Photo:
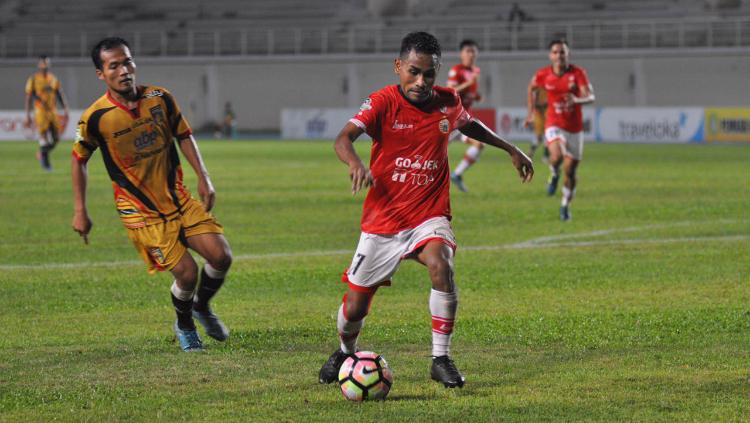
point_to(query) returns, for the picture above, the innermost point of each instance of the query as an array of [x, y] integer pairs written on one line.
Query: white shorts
[[378, 256], [570, 142]]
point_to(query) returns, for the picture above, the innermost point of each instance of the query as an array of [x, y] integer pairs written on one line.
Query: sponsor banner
[[13, 126], [727, 124], [510, 124], [314, 123], [649, 124], [326, 123]]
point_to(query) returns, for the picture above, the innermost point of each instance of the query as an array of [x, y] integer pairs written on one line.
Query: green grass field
[[637, 310]]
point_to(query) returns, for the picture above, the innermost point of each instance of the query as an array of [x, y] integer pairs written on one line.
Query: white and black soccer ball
[[365, 376]]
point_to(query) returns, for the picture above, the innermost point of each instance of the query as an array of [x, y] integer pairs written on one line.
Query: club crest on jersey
[[157, 114], [444, 126]]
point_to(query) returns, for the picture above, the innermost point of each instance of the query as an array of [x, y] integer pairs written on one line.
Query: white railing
[[599, 35]]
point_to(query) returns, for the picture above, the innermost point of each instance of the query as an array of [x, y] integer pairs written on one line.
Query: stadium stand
[[263, 27]]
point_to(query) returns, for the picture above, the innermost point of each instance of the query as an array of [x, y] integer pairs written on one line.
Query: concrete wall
[[260, 87]]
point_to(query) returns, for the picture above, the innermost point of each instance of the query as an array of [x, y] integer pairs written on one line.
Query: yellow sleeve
[[30, 85], [177, 122], [84, 145]]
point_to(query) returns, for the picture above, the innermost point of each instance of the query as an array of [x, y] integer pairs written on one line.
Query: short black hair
[[43, 57], [468, 43], [420, 42], [557, 41], [106, 44]]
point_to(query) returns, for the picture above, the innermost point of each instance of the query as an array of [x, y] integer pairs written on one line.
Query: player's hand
[[360, 176], [570, 100], [523, 164], [528, 121], [207, 193], [82, 224]]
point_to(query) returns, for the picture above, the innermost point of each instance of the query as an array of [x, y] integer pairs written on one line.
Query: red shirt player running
[[464, 78], [568, 88], [407, 210]]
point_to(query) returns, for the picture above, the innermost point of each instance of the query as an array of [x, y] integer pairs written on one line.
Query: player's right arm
[[531, 93], [358, 173], [82, 150], [81, 220], [29, 98]]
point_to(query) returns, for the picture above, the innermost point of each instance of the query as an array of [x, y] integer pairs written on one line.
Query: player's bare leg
[[215, 249], [351, 317], [570, 165], [555, 160], [185, 279], [470, 157], [438, 257]]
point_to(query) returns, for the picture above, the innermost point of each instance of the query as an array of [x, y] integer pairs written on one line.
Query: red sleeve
[[454, 76], [460, 117], [370, 114], [583, 78], [539, 78]]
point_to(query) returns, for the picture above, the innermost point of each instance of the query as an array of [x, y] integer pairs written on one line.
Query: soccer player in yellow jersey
[[138, 129], [43, 90], [540, 108]]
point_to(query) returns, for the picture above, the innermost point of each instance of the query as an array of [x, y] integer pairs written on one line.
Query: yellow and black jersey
[[541, 99], [43, 88], [140, 154]]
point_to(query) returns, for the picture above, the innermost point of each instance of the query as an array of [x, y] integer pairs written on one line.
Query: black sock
[[45, 156], [208, 288], [184, 311]]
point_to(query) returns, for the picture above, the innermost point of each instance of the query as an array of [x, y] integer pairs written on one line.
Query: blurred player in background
[[44, 90], [464, 78], [135, 127], [568, 88], [406, 214], [540, 108]]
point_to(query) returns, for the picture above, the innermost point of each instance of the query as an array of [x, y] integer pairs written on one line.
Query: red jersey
[[409, 159], [460, 74], [569, 118]]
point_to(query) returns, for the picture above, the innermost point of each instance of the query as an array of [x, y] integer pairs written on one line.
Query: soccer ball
[[365, 376]]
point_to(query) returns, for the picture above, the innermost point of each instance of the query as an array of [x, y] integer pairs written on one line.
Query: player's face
[[469, 55], [118, 70], [417, 73], [558, 55], [43, 65]]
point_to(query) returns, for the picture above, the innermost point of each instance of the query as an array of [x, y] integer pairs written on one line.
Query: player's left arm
[[585, 93], [206, 190], [478, 131], [63, 102]]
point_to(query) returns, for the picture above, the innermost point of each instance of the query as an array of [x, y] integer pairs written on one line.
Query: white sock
[[470, 157], [214, 273], [180, 293], [443, 307], [348, 332], [567, 195]]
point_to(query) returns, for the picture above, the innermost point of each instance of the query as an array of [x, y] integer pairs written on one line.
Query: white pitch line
[[555, 241]]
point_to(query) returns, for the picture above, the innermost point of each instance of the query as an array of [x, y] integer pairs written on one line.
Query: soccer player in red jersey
[[464, 78], [568, 88], [407, 210]]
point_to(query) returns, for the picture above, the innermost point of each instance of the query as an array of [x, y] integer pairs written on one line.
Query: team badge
[[157, 113], [444, 126]]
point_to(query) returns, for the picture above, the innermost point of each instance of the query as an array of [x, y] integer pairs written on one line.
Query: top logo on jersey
[[154, 93]]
